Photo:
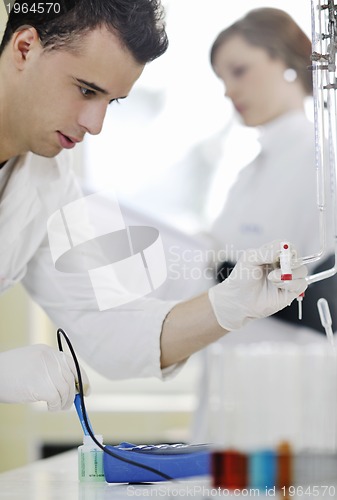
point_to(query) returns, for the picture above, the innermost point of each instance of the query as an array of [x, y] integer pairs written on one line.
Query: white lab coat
[[118, 343], [274, 197]]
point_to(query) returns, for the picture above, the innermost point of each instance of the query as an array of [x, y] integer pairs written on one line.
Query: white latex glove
[[39, 373], [253, 290]]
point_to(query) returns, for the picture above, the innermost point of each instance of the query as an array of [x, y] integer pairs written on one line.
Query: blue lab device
[[175, 461], [128, 462]]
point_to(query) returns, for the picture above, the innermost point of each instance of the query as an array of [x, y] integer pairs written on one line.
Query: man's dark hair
[[139, 24]]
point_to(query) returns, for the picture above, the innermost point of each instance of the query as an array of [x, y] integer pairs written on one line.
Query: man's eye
[[87, 92], [114, 100]]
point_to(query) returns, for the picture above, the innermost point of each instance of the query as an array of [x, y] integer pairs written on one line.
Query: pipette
[[325, 316]]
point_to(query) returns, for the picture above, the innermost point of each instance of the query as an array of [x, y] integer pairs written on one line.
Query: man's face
[[64, 95]]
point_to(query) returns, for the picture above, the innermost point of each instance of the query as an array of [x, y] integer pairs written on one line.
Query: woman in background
[[262, 60]]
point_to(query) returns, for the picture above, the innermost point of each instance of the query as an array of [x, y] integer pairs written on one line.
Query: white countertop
[[56, 479]]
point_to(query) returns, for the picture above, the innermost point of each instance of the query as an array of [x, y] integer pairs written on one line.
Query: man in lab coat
[[59, 70]]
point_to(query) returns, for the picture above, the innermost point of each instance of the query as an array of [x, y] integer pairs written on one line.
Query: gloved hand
[[253, 289], [39, 373]]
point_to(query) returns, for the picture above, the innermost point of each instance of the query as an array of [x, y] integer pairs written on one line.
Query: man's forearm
[[188, 327], [250, 292]]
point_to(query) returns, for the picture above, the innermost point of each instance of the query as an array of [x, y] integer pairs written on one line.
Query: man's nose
[[92, 117]]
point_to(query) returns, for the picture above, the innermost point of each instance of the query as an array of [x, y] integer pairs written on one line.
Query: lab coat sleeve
[[121, 342]]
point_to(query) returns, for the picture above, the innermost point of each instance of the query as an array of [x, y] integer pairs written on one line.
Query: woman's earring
[[290, 75]]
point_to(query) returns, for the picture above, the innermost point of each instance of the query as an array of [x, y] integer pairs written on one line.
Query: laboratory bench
[[55, 478]]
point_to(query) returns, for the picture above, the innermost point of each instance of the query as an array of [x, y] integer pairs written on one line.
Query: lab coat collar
[[284, 126], [23, 196]]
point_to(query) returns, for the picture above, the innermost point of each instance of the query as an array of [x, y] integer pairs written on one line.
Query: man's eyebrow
[[93, 86]]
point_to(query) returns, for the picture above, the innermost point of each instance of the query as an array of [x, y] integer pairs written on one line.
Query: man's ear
[[23, 43]]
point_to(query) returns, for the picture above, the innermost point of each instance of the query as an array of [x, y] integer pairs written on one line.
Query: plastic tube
[[90, 460], [325, 316]]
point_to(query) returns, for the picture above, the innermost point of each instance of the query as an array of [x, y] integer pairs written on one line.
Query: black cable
[[60, 333]]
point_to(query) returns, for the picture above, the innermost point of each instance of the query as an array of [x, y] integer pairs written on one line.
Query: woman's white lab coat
[[274, 197], [118, 343]]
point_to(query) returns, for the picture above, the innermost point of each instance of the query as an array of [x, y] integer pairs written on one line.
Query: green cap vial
[[90, 460]]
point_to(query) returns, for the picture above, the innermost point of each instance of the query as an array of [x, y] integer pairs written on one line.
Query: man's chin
[[47, 153]]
